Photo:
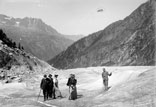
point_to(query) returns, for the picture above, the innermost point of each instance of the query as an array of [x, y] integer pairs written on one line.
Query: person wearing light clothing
[[56, 87], [105, 75]]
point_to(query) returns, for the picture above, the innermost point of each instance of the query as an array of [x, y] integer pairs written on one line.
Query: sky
[[72, 17]]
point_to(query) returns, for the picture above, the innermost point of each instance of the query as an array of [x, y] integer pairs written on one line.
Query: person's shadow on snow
[[79, 96], [108, 88]]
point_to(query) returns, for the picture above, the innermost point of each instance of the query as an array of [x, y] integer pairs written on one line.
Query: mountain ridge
[[125, 42], [27, 22], [35, 36]]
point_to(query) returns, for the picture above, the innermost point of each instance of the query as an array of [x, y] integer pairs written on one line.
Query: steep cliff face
[[126, 42], [35, 36]]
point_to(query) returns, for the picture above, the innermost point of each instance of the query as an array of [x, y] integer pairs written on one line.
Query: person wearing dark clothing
[[44, 87], [50, 87], [68, 83], [105, 75], [72, 87]]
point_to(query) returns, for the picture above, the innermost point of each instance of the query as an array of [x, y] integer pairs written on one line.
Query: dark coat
[[50, 82], [44, 84], [71, 82]]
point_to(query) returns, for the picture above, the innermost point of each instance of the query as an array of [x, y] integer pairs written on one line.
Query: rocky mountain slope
[[35, 36], [15, 62], [130, 41]]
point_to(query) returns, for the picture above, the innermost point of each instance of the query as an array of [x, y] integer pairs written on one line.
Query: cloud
[[37, 3], [23, 1], [40, 5]]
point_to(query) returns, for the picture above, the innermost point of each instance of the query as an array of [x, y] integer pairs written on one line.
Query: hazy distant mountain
[[126, 42], [74, 37], [35, 36]]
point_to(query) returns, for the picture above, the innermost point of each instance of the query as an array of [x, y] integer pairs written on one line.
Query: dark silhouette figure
[[51, 87], [44, 87]]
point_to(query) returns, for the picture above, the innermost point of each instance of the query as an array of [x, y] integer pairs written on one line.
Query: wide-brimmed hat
[[56, 75]]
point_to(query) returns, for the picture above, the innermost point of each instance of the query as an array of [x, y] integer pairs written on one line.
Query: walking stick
[[39, 95]]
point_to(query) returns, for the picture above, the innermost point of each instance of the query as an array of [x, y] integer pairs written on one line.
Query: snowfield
[[130, 86]]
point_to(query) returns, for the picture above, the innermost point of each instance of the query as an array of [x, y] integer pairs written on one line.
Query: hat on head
[[70, 75], [45, 75], [56, 75], [104, 69], [49, 75], [73, 75]]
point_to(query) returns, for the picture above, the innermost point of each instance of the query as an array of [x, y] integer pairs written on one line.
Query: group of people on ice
[[51, 90], [50, 86]]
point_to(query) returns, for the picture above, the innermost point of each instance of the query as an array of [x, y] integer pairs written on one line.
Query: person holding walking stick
[[44, 87], [39, 95]]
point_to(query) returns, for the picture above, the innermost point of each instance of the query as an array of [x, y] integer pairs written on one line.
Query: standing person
[[68, 83], [44, 87], [56, 87], [105, 75], [50, 86], [72, 87]]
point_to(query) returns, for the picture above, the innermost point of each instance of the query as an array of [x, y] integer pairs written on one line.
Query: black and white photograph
[[77, 53]]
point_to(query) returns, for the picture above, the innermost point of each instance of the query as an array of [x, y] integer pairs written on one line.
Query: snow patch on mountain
[[8, 18], [17, 23]]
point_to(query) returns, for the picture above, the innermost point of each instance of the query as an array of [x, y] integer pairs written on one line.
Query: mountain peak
[[35, 36], [126, 42], [27, 22]]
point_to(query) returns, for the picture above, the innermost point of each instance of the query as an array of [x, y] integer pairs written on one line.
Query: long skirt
[[72, 93], [57, 92]]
